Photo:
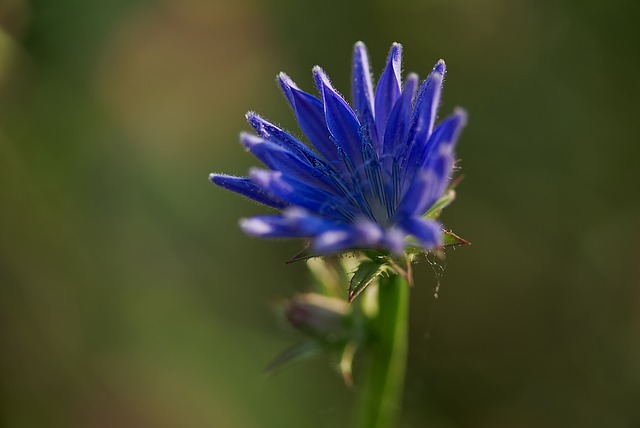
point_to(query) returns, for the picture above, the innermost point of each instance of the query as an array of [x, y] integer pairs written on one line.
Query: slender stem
[[382, 392]]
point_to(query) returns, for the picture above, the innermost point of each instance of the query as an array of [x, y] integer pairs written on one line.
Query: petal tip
[[251, 116], [320, 76], [395, 57], [330, 240], [249, 140], [413, 77], [461, 114], [284, 80], [256, 122], [396, 47], [294, 213], [361, 57], [254, 226], [222, 180]]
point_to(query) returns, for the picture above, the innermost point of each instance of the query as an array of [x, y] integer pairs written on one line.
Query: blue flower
[[376, 170]]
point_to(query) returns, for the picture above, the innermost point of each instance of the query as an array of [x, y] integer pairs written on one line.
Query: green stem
[[382, 392]]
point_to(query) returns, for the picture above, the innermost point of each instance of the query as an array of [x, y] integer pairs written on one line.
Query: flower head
[[377, 168]]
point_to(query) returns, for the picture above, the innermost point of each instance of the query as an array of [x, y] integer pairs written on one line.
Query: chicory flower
[[377, 168]]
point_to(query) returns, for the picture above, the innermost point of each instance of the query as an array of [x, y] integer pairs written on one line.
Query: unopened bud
[[318, 315]]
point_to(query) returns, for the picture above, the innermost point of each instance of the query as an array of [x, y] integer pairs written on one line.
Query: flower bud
[[318, 315]]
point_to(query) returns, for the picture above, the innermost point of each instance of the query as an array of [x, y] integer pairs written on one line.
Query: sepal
[[450, 239], [368, 271]]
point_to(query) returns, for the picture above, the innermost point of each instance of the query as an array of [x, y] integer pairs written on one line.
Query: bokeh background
[[129, 298]]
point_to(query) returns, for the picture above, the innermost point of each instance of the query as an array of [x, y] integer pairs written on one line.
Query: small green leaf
[[366, 273], [375, 255], [293, 354], [451, 239], [435, 211]]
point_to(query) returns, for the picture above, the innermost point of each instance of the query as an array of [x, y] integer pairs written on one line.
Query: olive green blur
[[129, 297]]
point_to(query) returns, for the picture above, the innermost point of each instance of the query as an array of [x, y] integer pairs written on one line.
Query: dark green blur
[[129, 297]]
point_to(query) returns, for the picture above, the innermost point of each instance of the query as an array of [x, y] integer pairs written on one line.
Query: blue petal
[[363, 234], [246, 187], [443, 139], [395, 240], [341, 120], [425, 111], [298, 193], [293, 223], [427, 232], [269, 226], [388, 89], [273, 133], [395, 138], [445, 136], [334, 241], [309, 112], [375, 202], [395, 134], [426, 188], [310, 224], [362, 90], [279, 158]]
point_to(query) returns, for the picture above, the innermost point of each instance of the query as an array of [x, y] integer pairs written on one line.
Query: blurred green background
[[129, 298]]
